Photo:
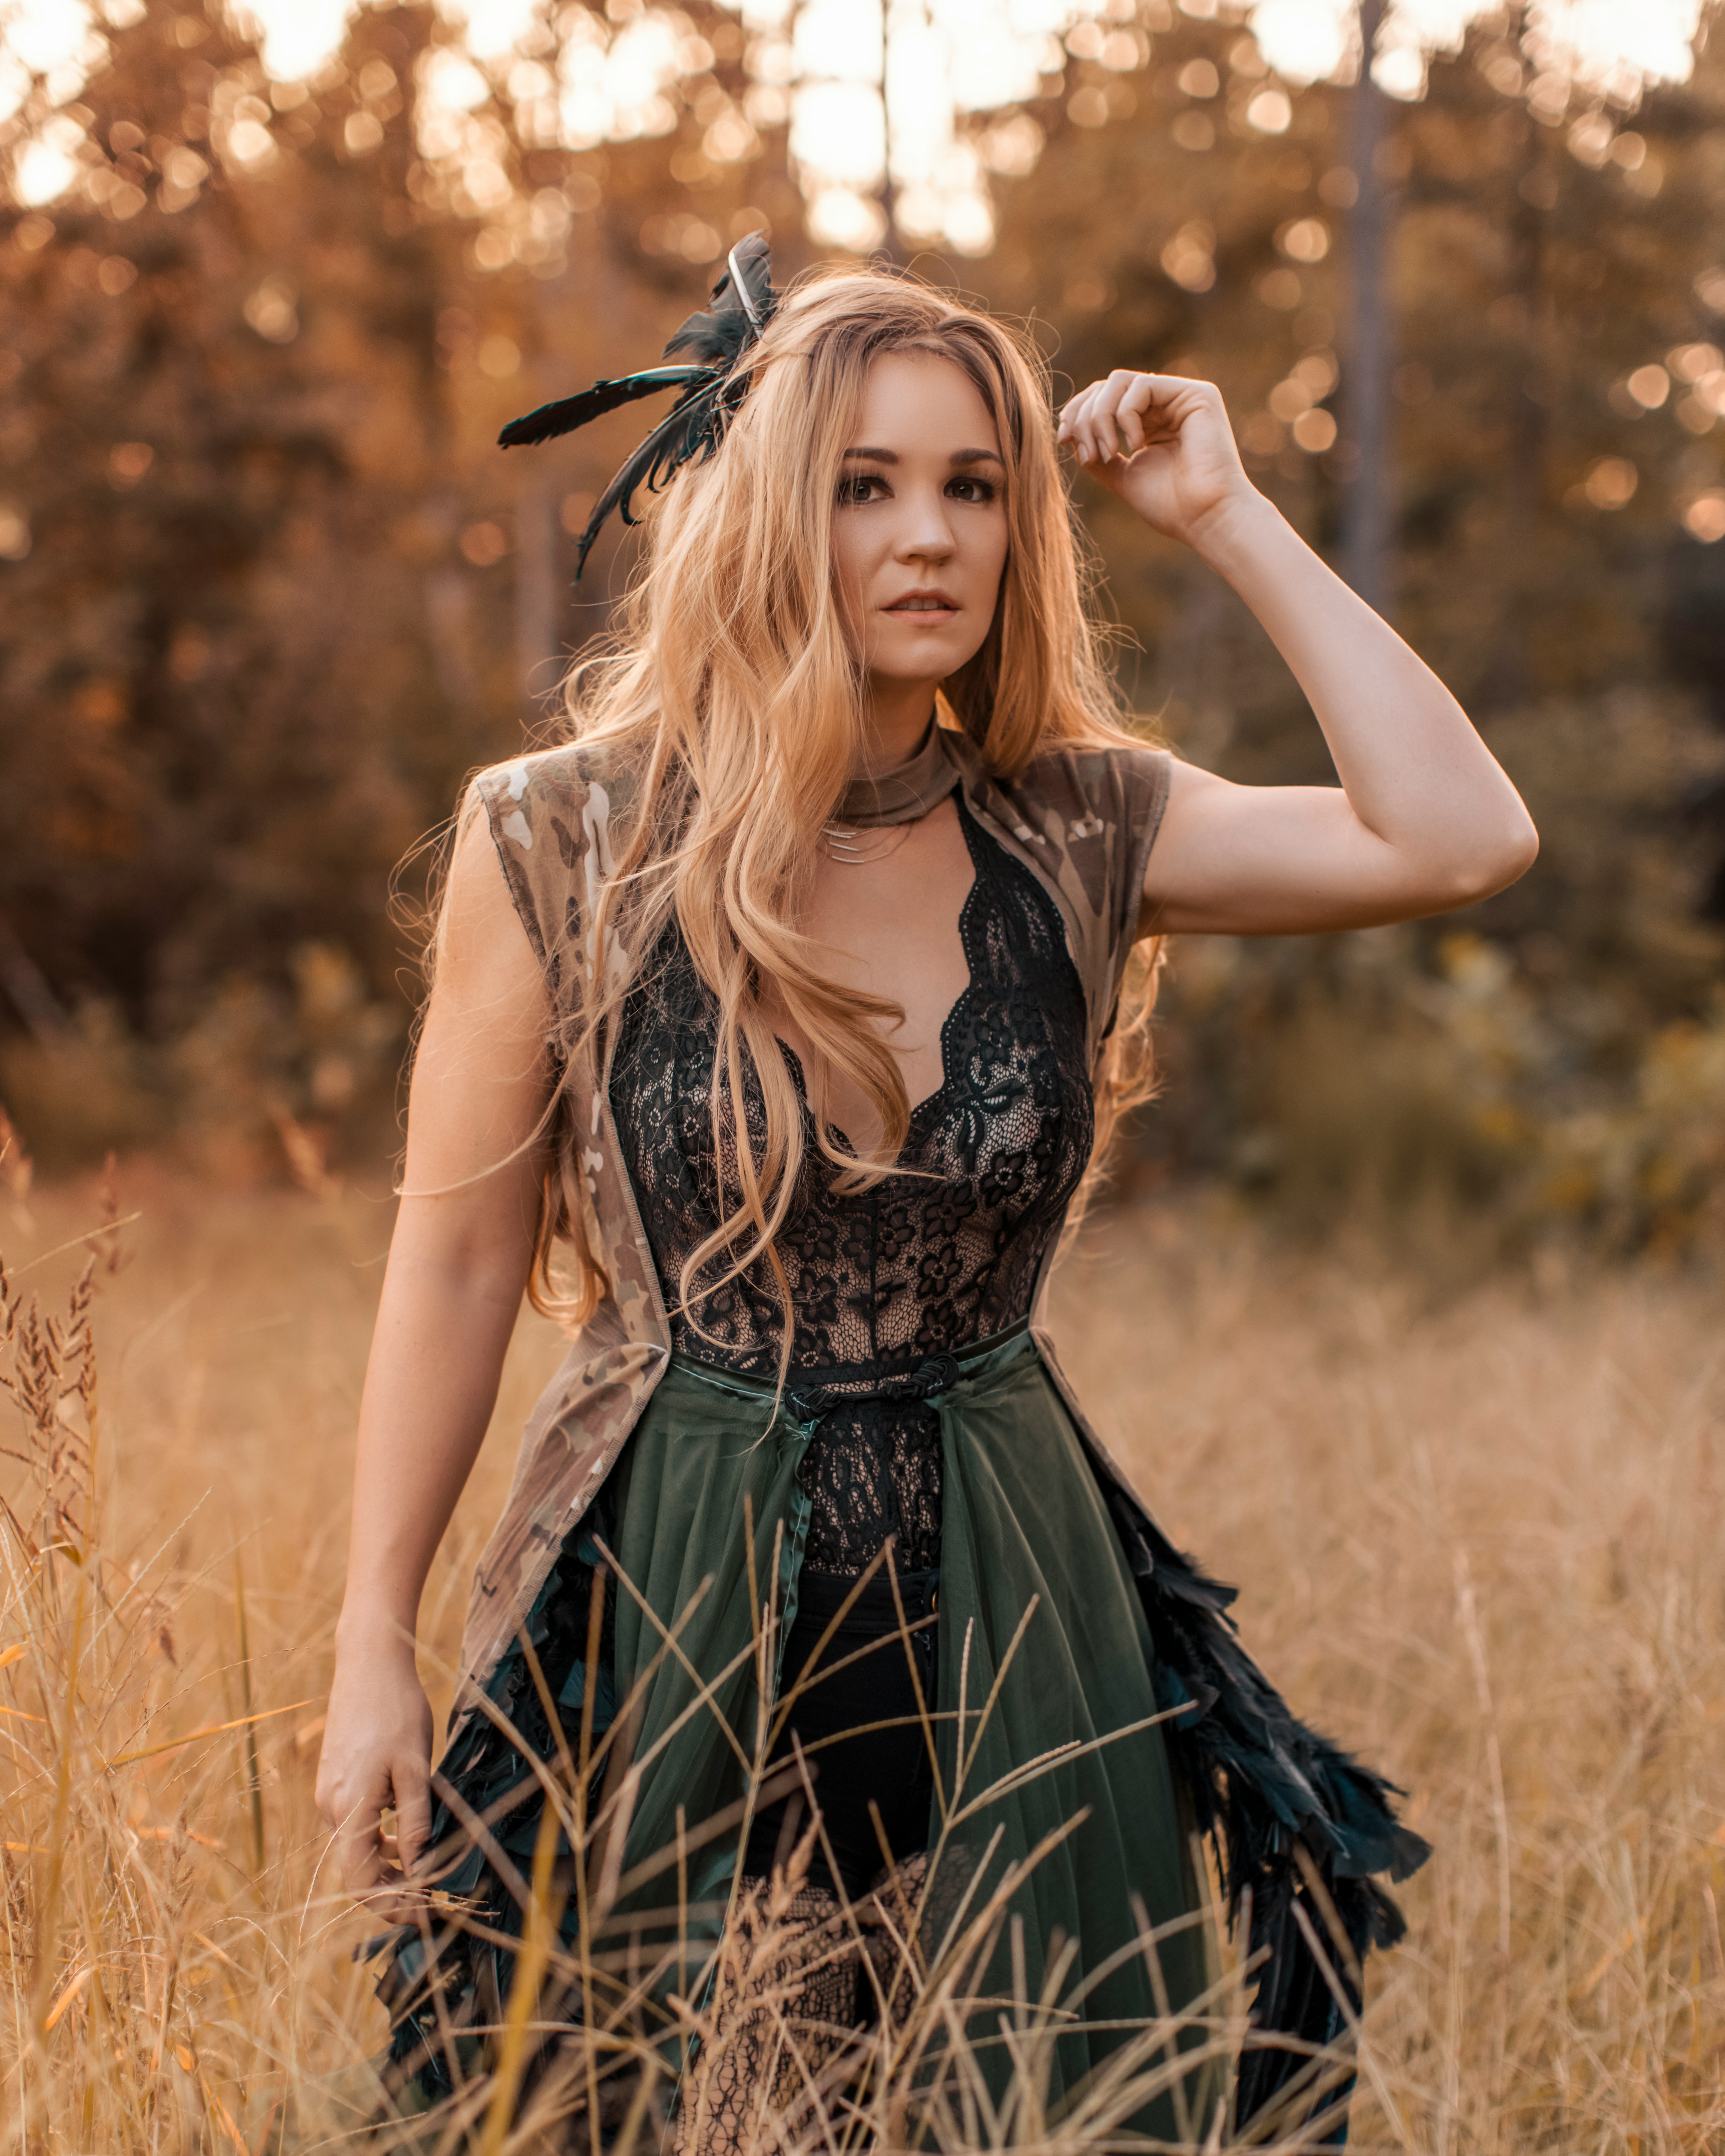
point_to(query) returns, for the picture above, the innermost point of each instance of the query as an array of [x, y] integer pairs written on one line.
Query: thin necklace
[[846, 845]]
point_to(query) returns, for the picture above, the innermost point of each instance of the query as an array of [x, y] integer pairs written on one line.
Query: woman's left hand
[[1180, 469]]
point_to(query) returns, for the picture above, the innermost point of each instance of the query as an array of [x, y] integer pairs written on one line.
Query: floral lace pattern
[[919, 1265]]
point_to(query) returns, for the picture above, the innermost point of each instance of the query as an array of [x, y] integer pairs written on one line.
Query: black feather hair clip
[[716, 338]]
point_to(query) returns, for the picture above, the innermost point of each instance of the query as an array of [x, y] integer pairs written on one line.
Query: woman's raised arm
[[1425, 818], [458, 1262]]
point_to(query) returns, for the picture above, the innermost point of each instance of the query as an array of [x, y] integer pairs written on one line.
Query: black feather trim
[[742, 303], [688, 429], [1266, 1788], [568, 413], [739, 310]]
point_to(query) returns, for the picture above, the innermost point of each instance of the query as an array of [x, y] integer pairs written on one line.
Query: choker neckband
[[901, 795]]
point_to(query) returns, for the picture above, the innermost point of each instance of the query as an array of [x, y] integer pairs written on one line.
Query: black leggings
[[891, 1767]]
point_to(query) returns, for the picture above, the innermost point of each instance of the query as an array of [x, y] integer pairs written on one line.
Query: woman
[[791, 999]]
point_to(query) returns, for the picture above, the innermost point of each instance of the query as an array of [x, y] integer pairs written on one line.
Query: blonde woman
[[789, 1003]]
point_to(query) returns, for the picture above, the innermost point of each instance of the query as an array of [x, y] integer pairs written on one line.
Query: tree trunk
[[1366, 505], [1506, 681], [538, 645]]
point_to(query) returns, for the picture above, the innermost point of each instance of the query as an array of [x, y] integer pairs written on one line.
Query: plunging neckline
[[943, 1244], [955, 1012]]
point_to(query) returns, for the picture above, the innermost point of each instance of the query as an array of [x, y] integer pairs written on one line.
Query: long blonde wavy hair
[[732, 697]]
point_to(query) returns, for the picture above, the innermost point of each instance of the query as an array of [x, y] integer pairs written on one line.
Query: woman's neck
[[895, 724]]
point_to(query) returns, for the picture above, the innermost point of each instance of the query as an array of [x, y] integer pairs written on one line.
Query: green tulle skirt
[[646, 1684], [1058, 1843]]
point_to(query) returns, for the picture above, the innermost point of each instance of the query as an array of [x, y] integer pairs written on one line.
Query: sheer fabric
[[920, 1265], [1057, 1797]]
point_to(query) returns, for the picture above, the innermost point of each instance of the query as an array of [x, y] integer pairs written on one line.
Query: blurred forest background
[[268, 592]]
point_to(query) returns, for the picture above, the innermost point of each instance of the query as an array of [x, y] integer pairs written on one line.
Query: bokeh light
[[876, 93], [297, 39]]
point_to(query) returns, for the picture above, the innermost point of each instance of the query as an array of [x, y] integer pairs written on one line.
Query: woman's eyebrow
[[959, 456]]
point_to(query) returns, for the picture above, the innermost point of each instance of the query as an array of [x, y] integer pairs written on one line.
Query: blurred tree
[[1543, 281], [267, 590], [1366, 548], [270, 589], [1556, 519]]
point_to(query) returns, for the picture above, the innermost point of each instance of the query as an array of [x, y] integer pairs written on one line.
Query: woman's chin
[[920, 655]]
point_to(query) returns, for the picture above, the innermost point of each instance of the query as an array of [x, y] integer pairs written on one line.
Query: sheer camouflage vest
[[1082, 820]]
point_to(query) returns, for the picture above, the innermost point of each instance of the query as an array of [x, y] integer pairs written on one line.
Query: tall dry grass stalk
[[1478, 1538]]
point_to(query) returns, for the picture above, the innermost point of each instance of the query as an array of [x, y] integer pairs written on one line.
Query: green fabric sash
[[1044, 1871]]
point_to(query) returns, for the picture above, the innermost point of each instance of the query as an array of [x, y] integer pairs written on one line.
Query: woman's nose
[[927, 532]]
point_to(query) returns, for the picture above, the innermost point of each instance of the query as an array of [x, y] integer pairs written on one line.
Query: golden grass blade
[[254, 1782], [67, 1994], [671, 1643], [985, 1713], [224, 2116], [1032, 1769], [75, 1242], [1581, 1480], [523, 1992], [211, 1729], [47, 1940], [583, 1769], [924, 1713]]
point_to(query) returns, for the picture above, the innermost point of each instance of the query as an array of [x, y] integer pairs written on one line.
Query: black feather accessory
[[714, 340]]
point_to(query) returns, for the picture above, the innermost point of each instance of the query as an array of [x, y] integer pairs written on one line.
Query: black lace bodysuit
[[917, 1266]]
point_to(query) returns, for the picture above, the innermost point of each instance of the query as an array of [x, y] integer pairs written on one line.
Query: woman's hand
[[376, 1754], [1180, 469]]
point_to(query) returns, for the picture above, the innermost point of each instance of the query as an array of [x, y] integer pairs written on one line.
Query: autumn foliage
[[267, 590]]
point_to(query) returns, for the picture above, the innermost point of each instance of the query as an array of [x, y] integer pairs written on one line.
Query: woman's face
[[919, 530]]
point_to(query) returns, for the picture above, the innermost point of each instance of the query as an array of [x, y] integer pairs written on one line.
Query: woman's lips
[[929, 605]]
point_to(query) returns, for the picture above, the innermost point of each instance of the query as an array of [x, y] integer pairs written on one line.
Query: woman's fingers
[[1087, 440], [412, 1810], [1116, 416], [364, 1849], [1123, 409], [359, 1852], [1092, 444], [1104, 411], [375, 1867], [1161, 443], [1072, 421], [1139, 400], [1076, 421]]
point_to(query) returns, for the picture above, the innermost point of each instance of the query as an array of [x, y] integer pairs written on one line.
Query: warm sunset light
[[959, 765], [876, 93]]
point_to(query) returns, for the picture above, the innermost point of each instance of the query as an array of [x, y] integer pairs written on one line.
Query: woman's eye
[[981, 490], [858, 488]]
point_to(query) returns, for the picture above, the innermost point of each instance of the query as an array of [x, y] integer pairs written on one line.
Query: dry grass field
[[1478, 1529]]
